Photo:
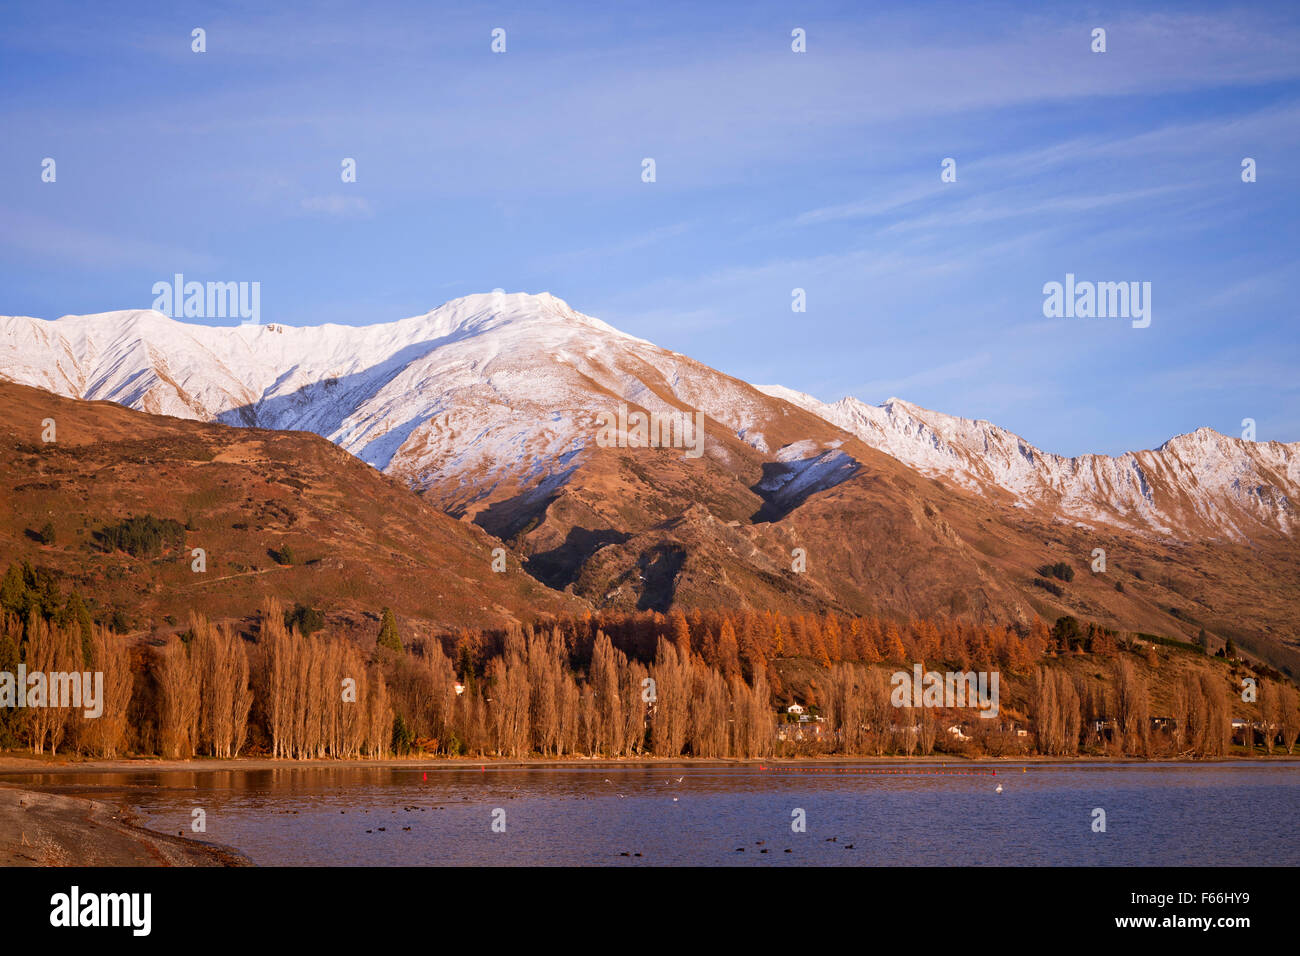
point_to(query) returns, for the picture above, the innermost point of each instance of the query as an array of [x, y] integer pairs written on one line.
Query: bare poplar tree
[[845, 706], [569, 719], [632, 738], [221, 664], [106, 734], [1218, 735], [379, 717], [179, 697], [671, 709], [508, 714], [545, 679], [1270, 712], [605, 667], [1288, 716], [1046, 716], [49, 649], [1131, 708]]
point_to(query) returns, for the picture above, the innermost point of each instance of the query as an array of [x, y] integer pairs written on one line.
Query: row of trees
[[744, 643], [318, 696], [1070, 715], [203, 693], [611, 685], [46, 647], [863, 720], [740, 643], [530, 699]]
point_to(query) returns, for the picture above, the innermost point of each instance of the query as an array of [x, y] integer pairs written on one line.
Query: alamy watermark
[[211, 300], [951, 689], [1098, 300], [55, 689], [74, 908], [654, 430]]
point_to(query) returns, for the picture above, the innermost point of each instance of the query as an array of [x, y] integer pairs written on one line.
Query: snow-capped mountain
[[490, 407], [502, 390], [487, 388], [1201, 483]]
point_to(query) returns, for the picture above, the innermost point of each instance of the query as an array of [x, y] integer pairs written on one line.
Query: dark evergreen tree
[[388, 636], [402, 736], [307, 620]]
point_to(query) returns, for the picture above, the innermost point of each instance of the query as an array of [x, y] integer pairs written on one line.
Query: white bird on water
[[999, 789]]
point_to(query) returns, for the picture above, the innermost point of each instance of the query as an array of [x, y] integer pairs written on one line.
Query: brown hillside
[[359, 539]]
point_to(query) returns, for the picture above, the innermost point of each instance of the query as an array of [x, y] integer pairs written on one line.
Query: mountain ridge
[[394, 394], [970, 451], [488, 408]]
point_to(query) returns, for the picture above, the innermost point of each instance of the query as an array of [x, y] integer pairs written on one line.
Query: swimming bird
[[999, 789]]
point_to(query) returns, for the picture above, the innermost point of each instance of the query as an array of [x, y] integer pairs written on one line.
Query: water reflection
[[722, 814]]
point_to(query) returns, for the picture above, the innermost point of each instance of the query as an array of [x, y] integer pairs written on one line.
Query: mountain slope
[[499, 392], [490, 408], [359, 539]]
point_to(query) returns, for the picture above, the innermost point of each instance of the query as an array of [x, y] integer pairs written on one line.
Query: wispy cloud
[[775, 171]]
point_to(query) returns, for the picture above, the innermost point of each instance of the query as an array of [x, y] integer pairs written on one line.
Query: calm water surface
[[1219, 814]]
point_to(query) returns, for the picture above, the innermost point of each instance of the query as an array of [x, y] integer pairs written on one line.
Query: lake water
[[1214, 814]]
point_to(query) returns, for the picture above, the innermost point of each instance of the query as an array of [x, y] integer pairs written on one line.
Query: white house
[[794, 709]]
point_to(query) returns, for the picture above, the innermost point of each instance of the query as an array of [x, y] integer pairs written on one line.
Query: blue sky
[[775, 170]]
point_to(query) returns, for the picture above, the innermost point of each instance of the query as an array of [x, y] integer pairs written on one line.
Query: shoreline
[[17, 763], [49, 829]]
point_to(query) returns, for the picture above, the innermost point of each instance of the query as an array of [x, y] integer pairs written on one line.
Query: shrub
[[1061, 571], [142, 537], [1067, 633], [308, 620], [1049, 586]]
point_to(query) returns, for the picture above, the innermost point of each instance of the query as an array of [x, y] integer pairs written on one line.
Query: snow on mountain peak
[[493, 385], [1202, 482], [505, 386]]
